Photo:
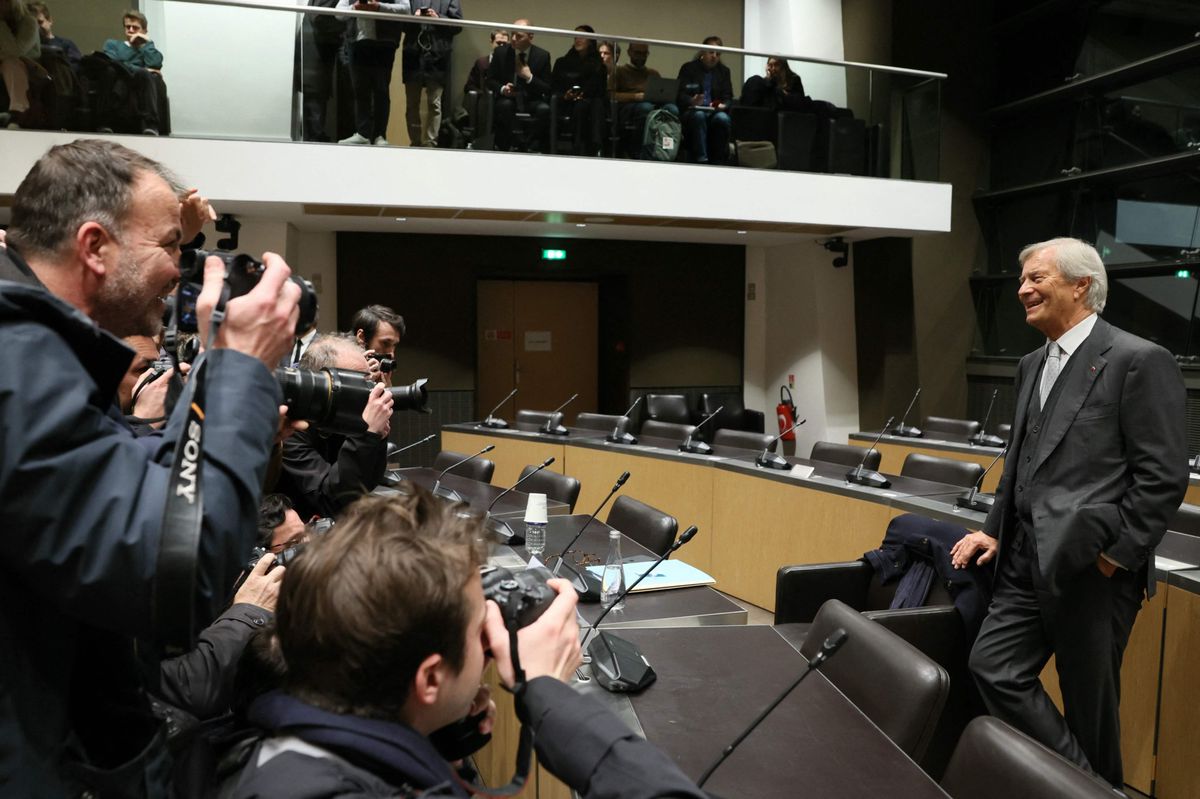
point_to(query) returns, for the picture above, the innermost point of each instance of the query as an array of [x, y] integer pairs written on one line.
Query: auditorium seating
[[941, 470], [646, 525], [955, 427], [845, 454], [552, 484], [668, 430], [602, 421], [480, 469], [533, 421], [742, 440]]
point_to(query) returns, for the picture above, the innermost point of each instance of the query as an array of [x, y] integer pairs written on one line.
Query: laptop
[[661, 91]]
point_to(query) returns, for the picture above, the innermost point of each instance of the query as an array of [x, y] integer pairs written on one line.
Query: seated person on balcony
[[705, 92], [477, 77], [46, 26], [142, 61], [609, 53], [578, 81], [629, 89], [18, 40], [372, 56], [519, 76], [780, 90]]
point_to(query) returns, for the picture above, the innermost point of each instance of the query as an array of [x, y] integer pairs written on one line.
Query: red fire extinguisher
[[785, 412]]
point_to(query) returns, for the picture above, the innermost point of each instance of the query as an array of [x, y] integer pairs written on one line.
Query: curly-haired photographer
[[93, 251], [383, 634]]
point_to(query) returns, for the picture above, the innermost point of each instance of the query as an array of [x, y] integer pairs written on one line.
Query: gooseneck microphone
[[618, 665], [870, 478], [830, 646], [553, 425], [450, 493], [618, 437], [699, 447], [982, 439], [586, 584], [768, 459], [392, 476], [499, 525], [908, 431], [490, 420], [972, 500]]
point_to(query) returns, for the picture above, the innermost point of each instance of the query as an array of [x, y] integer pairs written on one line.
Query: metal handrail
[[467, 23]]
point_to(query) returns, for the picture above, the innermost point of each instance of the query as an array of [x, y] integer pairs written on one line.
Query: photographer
[[324, 472], [384, 633], [378, 330], [93, 249]]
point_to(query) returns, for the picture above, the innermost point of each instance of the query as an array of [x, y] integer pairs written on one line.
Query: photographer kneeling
[[384, 633], [324, 471]]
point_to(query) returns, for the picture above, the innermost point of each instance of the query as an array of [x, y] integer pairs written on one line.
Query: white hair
[[1075, 259]]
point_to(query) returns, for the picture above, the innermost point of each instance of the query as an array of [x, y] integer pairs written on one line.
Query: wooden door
[[540, 337]]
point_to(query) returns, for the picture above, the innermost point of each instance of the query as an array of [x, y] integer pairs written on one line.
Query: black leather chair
[[941, 470], [1004, 431], [1187, 520], [733, 416], [742, 440], [649, 526], [668, 430], [533, 421], [668, 408], [602, 421], [480, 469], [994, 761], [552, 484], [955, 427], [895, 685], [845, 455]]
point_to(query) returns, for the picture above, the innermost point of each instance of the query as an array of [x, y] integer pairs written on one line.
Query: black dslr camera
[[286, 556], [242, 273], [386, 363], [522, 596]]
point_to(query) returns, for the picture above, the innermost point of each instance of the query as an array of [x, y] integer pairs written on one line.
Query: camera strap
[[174, 589]]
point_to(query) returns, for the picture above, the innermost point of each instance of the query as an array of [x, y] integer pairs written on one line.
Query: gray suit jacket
[[1111, 466]]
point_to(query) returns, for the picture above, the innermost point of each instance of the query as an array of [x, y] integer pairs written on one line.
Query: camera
[[522, 596], [333, 399], [242, 273], [287, 555], [386, 363]]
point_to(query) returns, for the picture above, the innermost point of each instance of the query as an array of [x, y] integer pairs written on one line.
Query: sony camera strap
[[174, 588]]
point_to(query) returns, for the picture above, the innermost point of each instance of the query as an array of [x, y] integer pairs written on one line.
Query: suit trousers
[[371, 64], [423, 135], [1086, 629]]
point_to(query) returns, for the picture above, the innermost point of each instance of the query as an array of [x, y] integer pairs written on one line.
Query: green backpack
[[661, 136]]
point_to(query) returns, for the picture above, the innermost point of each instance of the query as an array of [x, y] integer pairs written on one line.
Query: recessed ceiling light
[[741, 233], [402, 219], [580, 224]]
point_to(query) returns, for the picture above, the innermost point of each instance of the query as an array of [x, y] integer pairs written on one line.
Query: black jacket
[[426, 51], [693, 72], [504, 66], [83, 506], [323, 754], [586, 72], [322, 474]]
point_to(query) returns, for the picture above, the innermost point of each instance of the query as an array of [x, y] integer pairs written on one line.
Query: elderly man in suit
[[1096, 467]]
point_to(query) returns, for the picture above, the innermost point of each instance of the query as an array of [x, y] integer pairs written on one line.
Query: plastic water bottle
[[612, 583], [535, 525]]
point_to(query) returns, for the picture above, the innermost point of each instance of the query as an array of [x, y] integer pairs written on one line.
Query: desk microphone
[[872, 479], [981, 438], [831, 645], [618, 665], [908, 431], [586, 584], [392, 476], [768, 459], [553, 425], [491, 421], [450, 493], [619, 437], [699, 447], [502, 527], [972, 500]]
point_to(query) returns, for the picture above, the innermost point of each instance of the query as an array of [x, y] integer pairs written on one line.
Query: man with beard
[[93, 251]]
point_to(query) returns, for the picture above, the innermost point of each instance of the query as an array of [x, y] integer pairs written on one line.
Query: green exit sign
[[1184, 273], [554, 255]]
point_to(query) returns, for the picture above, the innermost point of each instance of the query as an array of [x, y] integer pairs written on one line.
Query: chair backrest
[[669, 430], [941, 470], [552, 484], [732, 415], [1004, 431], [994, 761], [957, 427], [896, 686], [533, 421], [1187, 520], [649, 526], [602, 421], [740, 439], [845, 454], [480, 469], [668, 408]]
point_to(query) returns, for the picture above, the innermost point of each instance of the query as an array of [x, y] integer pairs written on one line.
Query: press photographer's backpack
[[662, 136]]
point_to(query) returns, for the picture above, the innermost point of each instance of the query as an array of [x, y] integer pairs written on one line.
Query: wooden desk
[[1178, 773], [894, 449], [514, 449], [476, 494]]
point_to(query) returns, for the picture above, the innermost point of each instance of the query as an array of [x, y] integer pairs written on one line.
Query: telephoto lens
[[333, 399]]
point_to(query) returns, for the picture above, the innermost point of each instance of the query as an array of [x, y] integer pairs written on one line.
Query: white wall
[[799, 27], [801, 323]]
